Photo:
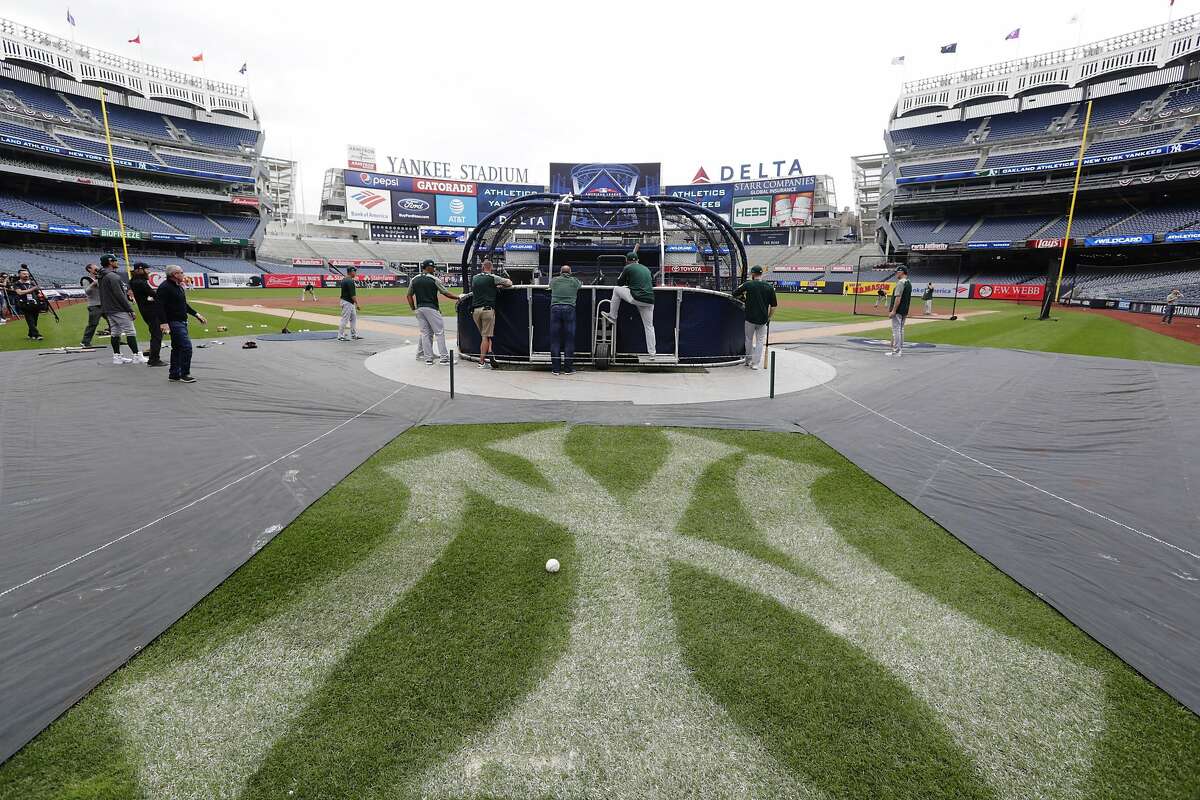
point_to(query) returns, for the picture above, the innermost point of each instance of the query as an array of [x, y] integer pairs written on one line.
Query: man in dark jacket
[[147, 306], [114, 304], [174, 308]]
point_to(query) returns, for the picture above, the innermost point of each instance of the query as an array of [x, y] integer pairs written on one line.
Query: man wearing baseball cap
[[114, 304], [635, 285], [901, 298], [348, 327], [423, 294], [760, 300]]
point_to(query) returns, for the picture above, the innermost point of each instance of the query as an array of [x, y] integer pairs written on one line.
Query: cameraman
[[91, 288], [5, 308], [28, 301]]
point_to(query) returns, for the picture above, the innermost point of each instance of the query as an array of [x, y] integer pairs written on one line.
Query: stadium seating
[[1008, 229], [931, 136], [939, 167], [119, 150], [36, 98], [75, 212], [1034, 157], [24, 132], [1159, 220], [1026, 123], [933, 231], [1119, 107], [1182, 97], [123, 118], [212, 135], [1109, 147], [14, 206], [1135, 284], [1086, 223], [221, 264], [192, 224], [239, 227], [191, 162], [1006, 277]]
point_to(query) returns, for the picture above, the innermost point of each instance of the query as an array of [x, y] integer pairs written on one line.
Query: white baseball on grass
[[552, 565]]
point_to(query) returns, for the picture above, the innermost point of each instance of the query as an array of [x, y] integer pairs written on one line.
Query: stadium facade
[[982, 163], [187, 151]]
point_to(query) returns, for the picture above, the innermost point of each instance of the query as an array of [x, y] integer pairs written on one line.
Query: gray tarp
[[1074, 475]]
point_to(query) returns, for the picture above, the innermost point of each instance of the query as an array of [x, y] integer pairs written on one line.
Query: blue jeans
[[562, 337], [181, 350]]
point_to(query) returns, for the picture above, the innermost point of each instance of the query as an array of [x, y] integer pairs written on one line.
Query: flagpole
[[116, 192], [1062, 263]]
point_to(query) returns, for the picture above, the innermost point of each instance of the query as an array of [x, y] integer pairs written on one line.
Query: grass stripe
[[818, 704], [473, 636], [621, 459]]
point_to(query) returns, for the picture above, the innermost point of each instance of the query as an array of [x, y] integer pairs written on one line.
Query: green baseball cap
[[631, 256], [106, 259], [756, 270]]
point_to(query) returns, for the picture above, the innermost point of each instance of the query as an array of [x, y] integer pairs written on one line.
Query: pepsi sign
[[376, 180]]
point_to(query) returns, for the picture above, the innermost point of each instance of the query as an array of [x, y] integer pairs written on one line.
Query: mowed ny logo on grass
[[620, 711]]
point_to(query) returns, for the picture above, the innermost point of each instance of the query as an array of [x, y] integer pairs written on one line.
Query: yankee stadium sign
[[424, 168]]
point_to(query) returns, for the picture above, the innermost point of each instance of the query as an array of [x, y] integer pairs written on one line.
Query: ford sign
[[412, 204]]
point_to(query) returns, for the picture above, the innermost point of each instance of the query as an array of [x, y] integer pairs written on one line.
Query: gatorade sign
[[752, 212]]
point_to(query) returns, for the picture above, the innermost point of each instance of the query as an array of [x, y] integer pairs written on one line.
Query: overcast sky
[[522, 84]]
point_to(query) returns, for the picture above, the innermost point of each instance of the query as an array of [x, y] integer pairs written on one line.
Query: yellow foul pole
[[1087, 121], [117, 192]]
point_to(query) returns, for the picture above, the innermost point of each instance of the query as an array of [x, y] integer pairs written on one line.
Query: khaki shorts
[[485, 320]]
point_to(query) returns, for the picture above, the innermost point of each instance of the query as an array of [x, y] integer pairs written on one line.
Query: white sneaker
[[891, 353], [139, 358], [484, 365], [118, 360], [754, 366], [444, 360]]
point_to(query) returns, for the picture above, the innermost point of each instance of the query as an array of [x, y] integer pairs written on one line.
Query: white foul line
[[199, 500], [1024, 483]]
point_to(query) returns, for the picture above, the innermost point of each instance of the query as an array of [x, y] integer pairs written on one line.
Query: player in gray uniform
[[423, 294]]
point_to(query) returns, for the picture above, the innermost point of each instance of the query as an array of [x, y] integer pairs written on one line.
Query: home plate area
[[794, 372]]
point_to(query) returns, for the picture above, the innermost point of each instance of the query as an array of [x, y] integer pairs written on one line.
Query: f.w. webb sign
[[484, 173]]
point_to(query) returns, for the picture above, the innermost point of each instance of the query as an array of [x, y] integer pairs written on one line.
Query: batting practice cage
[[939, 275], [694, 255]]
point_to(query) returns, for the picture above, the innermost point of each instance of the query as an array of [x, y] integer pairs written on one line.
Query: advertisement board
[[1007, 291], [357, 262], [411, 208], [716, 197], [1044, 244], [1118, 241], [191, 280], [308, 262], [866, 287], [765, 238], [752, 212], [455, 210], [277, 280], [796, 185], [383, 232], [68, 230], [360, 156], [368, 205], [244, 201], [115, 233], [233, 280], [492, 196], [19, 225], [751, 170], [988, 245], [792, 210], [1183, 236], [376, 180], [703, 269], [605, 179]]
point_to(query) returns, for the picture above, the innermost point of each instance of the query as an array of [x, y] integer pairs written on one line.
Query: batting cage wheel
[[601, 356]]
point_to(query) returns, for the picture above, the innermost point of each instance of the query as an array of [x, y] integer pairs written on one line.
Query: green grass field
[[738, 614], [69, 330], [1073, 332], [327, 300]]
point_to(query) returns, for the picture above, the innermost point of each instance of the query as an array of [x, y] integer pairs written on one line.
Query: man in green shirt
[[761, 303], [484, 288], [636, 286], [927, 298], [348, 327], [423, 300], [901, 298], [563, 291]]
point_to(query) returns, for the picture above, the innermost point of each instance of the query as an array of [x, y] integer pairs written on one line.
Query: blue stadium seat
[[1159, 220], [1035, 157], [239, 227], [1106, 148], [119, 150], [36, 97], [1008, 229], [221, 167], [929, 136], [946, 231], [1025, 123], [24, 132], [939, 167]]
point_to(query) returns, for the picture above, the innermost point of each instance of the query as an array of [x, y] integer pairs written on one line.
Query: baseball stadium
[[599, 478]]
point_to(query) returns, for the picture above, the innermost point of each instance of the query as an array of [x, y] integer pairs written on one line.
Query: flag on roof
[[242, 71], [198, 57], [136, 40], [70, 19], [898, 61], [950, 48], [1016, 34]]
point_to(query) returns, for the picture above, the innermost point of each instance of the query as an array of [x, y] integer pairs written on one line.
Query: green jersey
[[348, 289], [425, 288], [640, 282], [901, 297], [563, 290], [759, 298], [483, 290]]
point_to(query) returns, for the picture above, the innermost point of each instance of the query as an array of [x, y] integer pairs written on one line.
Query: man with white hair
[[174, 309]]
